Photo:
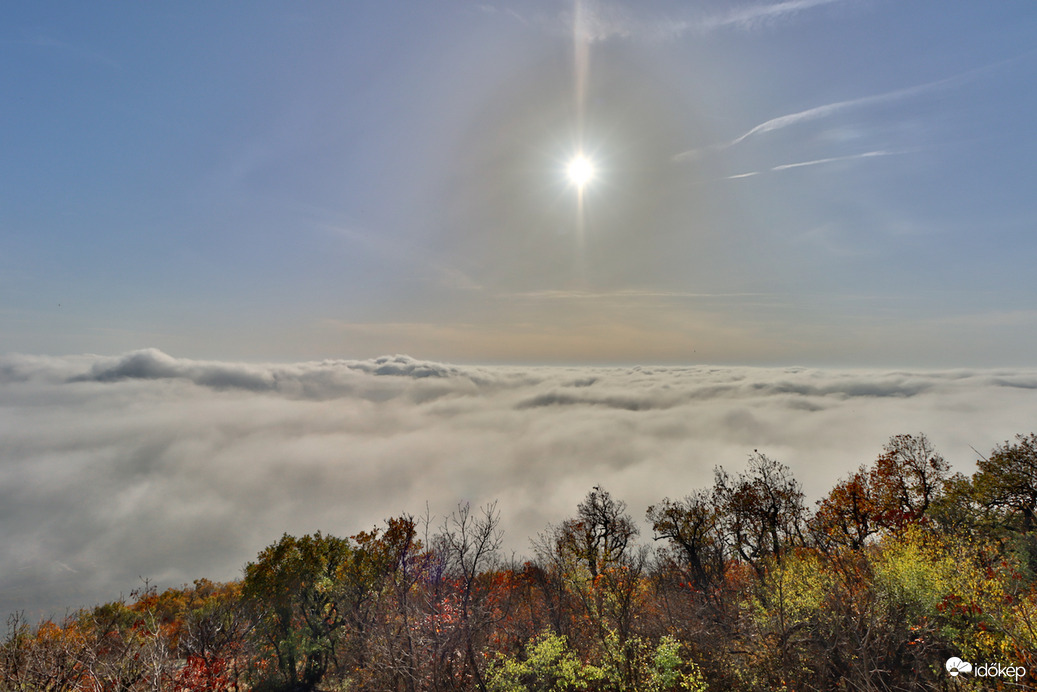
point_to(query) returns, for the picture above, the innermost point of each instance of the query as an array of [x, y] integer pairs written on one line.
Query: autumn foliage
[[741, 586]]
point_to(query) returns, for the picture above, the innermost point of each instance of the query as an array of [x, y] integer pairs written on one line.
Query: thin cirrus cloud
[[830, 109], [831, 159], [402, 254], [815, 162], [753, 16], [148, 465], [601, 20]]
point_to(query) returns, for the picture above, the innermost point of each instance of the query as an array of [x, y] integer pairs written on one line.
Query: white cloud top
[[172, 469]]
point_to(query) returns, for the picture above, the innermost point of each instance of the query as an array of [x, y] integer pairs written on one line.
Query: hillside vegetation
[[900, 567]]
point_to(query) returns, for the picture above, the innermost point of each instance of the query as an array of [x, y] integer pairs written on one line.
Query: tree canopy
[[899, 567]]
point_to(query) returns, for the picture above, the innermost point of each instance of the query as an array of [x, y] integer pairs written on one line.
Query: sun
[[580, 171]]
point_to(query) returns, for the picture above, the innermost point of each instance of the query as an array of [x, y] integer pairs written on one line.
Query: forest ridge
[[901, 567]]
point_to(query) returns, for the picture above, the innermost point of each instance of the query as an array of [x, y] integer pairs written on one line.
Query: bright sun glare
[[580, 171]]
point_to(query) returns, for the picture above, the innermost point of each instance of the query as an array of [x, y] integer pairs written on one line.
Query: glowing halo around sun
[[580, 171]]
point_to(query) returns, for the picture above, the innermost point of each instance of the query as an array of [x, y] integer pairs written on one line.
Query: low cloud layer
[[146, 465]]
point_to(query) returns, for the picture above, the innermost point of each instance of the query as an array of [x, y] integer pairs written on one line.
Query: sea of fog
[[143, 465]]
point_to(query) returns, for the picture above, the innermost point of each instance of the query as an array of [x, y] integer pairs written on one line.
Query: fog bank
[[147, 465]]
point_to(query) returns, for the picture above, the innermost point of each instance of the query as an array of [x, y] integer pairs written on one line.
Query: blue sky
[[212, 197], [820, 182]]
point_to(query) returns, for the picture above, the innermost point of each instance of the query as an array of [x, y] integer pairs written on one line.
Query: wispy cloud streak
[[755, 15], [603, 20], [831, 159], [742, 175], [829, 109], [624, 294], [401, 253], [815, 162]]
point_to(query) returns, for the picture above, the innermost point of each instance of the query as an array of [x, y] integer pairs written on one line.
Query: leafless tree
[[762, 509]]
